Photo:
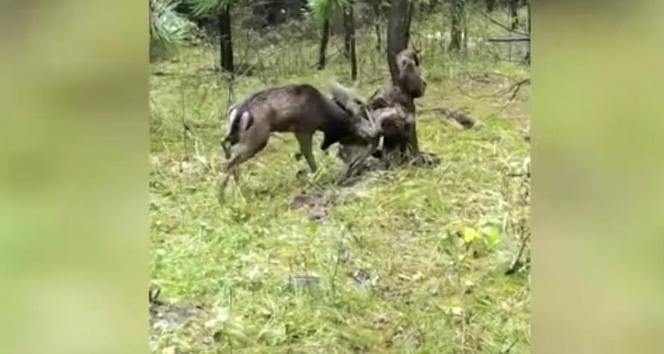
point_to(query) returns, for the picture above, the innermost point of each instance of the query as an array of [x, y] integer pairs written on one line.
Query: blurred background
[[453, 230], [74, 171]]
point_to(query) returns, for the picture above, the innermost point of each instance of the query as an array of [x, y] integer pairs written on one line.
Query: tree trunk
[[379, 39], [349, 26], [514, 14], [397, 34], [347, 32], [409, 20], [455, 29], [324, 38], [465, 33], [527, 59], [346, 45], [225, 40], [528, 4], [377, 18], [490, 5]]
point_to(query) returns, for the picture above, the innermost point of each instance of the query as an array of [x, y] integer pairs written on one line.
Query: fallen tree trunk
[[465, 120]]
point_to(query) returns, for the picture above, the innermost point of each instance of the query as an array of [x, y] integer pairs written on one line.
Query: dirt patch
[[194, 166], [167, 319], [316, 204], [178, 317], [172, 316], [364, 278]]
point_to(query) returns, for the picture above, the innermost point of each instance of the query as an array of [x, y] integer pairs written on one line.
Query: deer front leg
[[240, 154], [304, 140]]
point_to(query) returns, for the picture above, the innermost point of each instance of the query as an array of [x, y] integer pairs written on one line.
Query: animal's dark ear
[[378, 102]]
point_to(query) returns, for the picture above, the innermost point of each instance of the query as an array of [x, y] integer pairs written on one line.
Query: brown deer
[[302, 110]]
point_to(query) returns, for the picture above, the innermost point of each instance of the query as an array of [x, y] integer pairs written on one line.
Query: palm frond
[[323, 10], [207, 7], [168, 28]]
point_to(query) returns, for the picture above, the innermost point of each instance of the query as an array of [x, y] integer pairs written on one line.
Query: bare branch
[[509, 39], [496, 22], [462, 118], [516, 261], [517, 86], [515, 90]]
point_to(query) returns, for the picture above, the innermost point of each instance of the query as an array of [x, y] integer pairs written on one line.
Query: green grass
[[398, 266]]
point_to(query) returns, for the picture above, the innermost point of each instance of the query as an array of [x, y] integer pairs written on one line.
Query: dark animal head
[[362, 122], [392, 120], [350, 102], [410, 78]]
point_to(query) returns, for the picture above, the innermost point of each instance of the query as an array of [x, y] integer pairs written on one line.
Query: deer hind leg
[[304, 140]]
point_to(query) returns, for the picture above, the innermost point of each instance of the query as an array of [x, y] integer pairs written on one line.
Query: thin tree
[[398, 33], [222, 10], [456, 10], [465, 31], [398, 36], [490, 5], [530, 35], [324, 38], [323, 11], [514, 14], [225, 39], [349, 28], [376, 7], [347, 32]]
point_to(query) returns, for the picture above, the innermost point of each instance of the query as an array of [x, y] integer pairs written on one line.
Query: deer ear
[[232, 113], [416, 54]]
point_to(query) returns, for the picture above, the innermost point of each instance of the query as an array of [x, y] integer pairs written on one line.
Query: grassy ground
[[406, 261]]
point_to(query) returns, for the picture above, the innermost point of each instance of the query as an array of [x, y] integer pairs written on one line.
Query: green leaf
[[491, 236], [470, 235]]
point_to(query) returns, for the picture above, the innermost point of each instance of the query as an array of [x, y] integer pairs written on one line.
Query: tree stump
[[393, 112], [400, 143]]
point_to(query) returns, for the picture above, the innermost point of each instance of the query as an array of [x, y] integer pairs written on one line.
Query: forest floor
[[407, 260]]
